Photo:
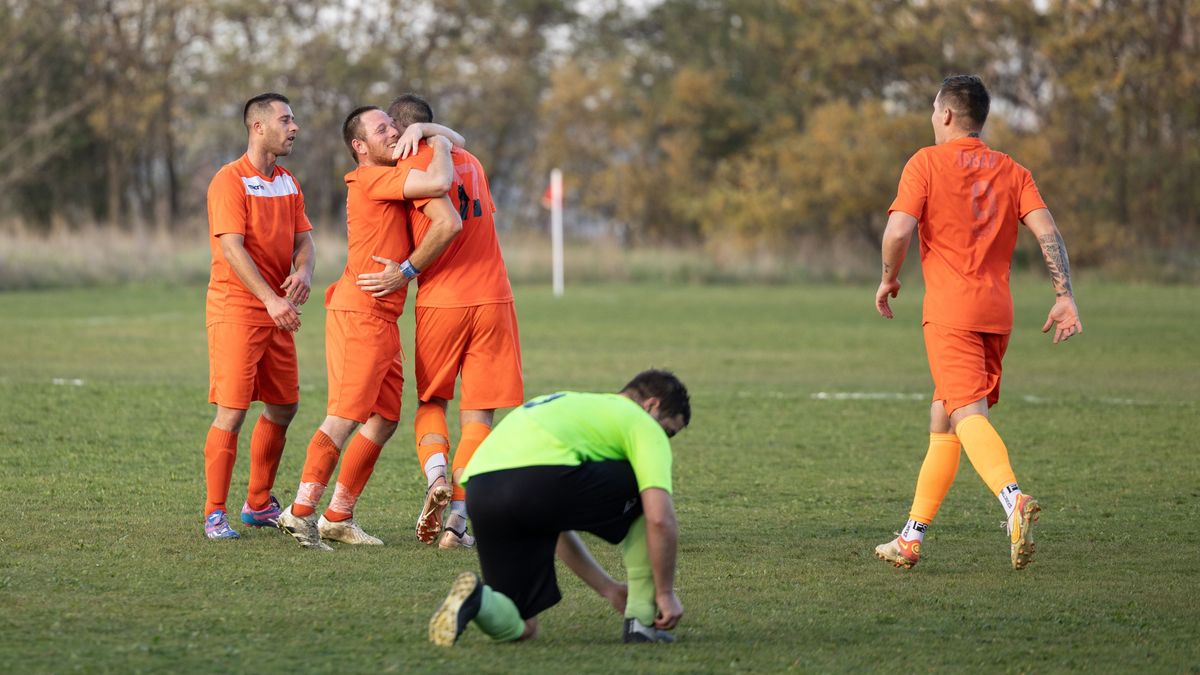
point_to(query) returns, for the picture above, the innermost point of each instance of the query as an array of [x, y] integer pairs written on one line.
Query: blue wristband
[[407, 269]]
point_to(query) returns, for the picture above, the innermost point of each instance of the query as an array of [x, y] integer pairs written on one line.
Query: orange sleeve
[[1030, 199], [386, 183], [303, 224], [419, 161], [914, 187], [227, 209]]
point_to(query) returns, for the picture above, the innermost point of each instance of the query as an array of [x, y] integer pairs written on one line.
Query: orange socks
[[937, 474], [266, 447], [357, 466], [987, 452], [220, 451], [472, 435], [431, 419], [318, 467]]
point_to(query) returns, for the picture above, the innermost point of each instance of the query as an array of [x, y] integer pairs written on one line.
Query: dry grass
[[96, 256], [100, 256]]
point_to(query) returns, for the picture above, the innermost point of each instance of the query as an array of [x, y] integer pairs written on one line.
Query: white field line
[[63, 381], [899, 396]]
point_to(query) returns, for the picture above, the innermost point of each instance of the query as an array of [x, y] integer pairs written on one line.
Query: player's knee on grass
[[500, 619]]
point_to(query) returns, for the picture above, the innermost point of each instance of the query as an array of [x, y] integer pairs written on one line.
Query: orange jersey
[[268, 211], [471, 270], [376, 225], [967, 199]]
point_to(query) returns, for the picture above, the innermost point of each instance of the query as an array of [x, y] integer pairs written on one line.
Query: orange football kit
[[968, 200], [466, 323], [363, 356], [250, 359]]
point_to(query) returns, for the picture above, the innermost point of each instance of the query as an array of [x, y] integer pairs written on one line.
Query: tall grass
[[94, 255]]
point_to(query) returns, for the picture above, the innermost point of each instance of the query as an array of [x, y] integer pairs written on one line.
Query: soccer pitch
[[809, 424]]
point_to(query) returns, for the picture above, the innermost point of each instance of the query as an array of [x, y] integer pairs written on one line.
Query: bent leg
[[635, 554], [983, 446], [433, 439], [323, 452], [357, 466], [499, 619]]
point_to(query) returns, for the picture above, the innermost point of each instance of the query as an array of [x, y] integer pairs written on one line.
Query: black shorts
[[518, 514]]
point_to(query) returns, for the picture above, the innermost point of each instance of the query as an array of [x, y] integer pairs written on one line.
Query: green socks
[[640, 602], [498, 617]]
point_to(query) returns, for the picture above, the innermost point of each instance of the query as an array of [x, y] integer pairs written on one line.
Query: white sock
[[435, 468], [1008, 498], [458, 507], [913, 530]]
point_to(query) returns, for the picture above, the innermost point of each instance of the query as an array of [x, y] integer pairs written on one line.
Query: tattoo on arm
[[1054, 250]]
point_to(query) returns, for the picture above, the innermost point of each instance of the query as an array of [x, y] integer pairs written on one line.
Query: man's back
[[569, 428], [471, 270], [968, 199]]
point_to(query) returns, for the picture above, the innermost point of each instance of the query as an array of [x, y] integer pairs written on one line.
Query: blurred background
[[702, 140]]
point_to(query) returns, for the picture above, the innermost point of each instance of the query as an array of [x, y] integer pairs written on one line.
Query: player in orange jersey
[[968, 200], [362, 341], [262, 264], [466, 326]]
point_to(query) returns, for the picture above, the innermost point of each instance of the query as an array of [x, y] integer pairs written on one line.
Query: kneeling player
[[567, 462]]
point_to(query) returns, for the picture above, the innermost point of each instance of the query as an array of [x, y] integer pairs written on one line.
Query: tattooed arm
[[896, 236], [1064, 316]]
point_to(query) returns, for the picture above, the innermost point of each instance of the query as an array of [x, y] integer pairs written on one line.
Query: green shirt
[[569, 428]]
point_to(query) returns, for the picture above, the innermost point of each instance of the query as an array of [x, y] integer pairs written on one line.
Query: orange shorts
[[480, 343], [365, 364], [965, 365], [251, 363]]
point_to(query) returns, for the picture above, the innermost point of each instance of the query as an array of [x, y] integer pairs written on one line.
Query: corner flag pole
[[556, 230]]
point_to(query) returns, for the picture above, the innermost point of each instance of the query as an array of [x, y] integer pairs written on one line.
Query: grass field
[[809, 425]]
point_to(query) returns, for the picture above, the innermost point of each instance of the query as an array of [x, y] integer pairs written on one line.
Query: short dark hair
[[409, 109], [261, 104], [352, 128], [967, 97], [661, 384]]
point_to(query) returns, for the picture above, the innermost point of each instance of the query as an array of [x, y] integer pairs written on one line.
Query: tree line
[[730, 123]]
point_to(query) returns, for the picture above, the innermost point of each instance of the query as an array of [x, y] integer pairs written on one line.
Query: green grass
[[781, 495]]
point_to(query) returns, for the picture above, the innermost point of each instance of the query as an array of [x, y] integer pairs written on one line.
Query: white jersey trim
[[282, 186]]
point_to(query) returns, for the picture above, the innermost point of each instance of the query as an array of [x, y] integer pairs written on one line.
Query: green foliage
[[730, 124], [781, 495]]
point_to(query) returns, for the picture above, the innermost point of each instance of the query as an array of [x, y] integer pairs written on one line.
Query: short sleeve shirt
[[967, 199], [268, 211], [569, 428], [376, 225], [471, 270]]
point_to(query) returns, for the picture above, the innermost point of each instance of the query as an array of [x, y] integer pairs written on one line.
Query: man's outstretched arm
[[572, 551], [662, 540], [896, 236], [1064, 315]]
